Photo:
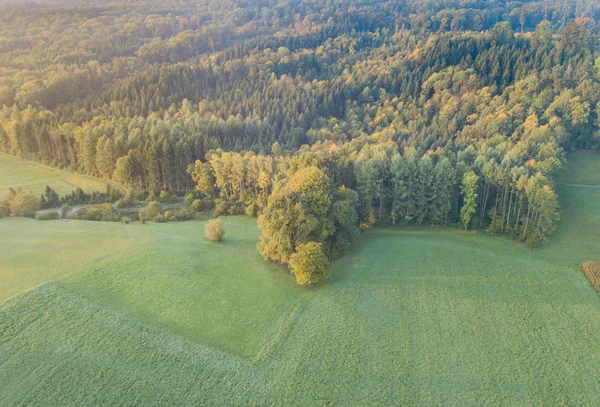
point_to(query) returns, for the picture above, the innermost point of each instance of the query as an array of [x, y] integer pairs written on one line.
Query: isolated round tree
[[214, 230], [309, 264]]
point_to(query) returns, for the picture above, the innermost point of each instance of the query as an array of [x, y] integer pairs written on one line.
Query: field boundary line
[[283, 330]]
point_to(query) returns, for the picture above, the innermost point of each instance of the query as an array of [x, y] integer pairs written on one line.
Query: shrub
[[196, 205], [160, 218], [235, 209], [47, 216], [5, 198], [25, 204], [153, 209], [164, 197], [125, 219], [214, 230], [184, 213], [122, 203], [142, 216], [189, 199], [309, 264], [200, 205], [65, 209], [221, 207], [169, 215], [591, 269], [251, 210], [102, 212]]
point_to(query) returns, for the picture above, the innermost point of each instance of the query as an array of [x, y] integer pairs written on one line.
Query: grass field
[[417, 316], [17, 172]]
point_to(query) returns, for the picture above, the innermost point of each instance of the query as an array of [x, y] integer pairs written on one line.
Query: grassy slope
[[17, 172], [34, 252], [168, 275], [413, 317]]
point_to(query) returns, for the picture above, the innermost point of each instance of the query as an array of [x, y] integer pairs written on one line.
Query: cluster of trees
[[51, 199], [18, 203], [448, 112]]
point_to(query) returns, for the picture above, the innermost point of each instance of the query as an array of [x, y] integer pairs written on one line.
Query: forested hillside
[[427, 112]]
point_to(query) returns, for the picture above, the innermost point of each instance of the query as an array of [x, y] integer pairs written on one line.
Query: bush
[[5, 197], [251, 210], [102, 212], [153, 209], [234, 209], [123, 203], [189, 199], [591, 269], [201, 205], [25, 204], [169, 216], [184, 213], [47, 216], [65, 209], [164, 197], [221, 207], [159, 218], [196, 205], [214, 230]]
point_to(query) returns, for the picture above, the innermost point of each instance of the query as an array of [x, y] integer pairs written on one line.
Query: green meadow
[[114, 314], [30, 176]]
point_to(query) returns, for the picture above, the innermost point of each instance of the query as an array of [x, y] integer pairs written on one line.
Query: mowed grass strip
[[17, 172]]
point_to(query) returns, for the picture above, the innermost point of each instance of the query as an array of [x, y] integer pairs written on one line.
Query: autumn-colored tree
[[297, 213], [24, 203], [214, 230], [6, 197], [468, 189], [309, 264], [202, 174]]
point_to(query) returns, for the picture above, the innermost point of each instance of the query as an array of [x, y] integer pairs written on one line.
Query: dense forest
[[446, 112]]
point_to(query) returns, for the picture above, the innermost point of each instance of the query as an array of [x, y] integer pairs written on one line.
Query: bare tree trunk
[[518, 214], [495, 210], [509, 208], [504, 195], [483, 207], [526, 222]]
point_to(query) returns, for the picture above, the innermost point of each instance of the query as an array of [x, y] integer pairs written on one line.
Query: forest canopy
[[445, 112]]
